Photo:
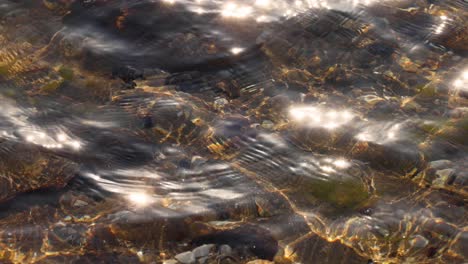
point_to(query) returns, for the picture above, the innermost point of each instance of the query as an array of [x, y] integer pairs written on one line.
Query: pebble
[[202, 251], [220, 103], [267, 124], [186, 257], [170, 261], [225, 250], [80, 203], [419, 242]]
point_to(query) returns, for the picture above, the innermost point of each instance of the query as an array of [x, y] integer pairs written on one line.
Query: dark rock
[[127, 73]]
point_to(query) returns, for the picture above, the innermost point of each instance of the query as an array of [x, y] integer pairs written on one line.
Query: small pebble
[[267, 124], [419, 242], [202, 251], [225, 250], [80, 203], [220, 103], [186, 257]]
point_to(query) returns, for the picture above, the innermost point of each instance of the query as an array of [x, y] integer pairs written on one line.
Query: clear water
[[310, 131]]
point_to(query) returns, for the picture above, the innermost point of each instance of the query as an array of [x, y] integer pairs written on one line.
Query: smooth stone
[[267, 124], [186, 257], [219, 104], [80, 203], [419, 242], [225, 250], [202, 251], [440, 164]]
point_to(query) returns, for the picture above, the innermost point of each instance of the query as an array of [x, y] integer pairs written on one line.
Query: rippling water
[[205, 131]]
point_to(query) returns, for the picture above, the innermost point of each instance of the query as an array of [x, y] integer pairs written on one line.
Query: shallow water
[[233, 131]]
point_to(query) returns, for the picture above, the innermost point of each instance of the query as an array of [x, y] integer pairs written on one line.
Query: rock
[[127, 73], [170, 261], [186, 257], [30, 168], [440, 164], [202, 251], [419, 242], [220, 103], [225, 250], [267, 124], [80, 203], [443, 177]]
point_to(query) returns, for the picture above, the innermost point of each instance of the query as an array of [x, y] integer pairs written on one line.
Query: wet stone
[[444, 177], [127, 73], [225, 250], [267, 124], [419, 242], [186, 258], [80, 203], [202, 251], [29, 168]]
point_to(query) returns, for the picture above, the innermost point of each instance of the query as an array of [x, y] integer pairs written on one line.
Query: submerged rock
[[27, 168], [186, 258]]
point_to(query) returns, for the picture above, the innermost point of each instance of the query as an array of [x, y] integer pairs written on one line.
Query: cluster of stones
[[311, 193]]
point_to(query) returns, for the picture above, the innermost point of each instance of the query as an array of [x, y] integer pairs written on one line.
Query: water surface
[[233, 131]]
